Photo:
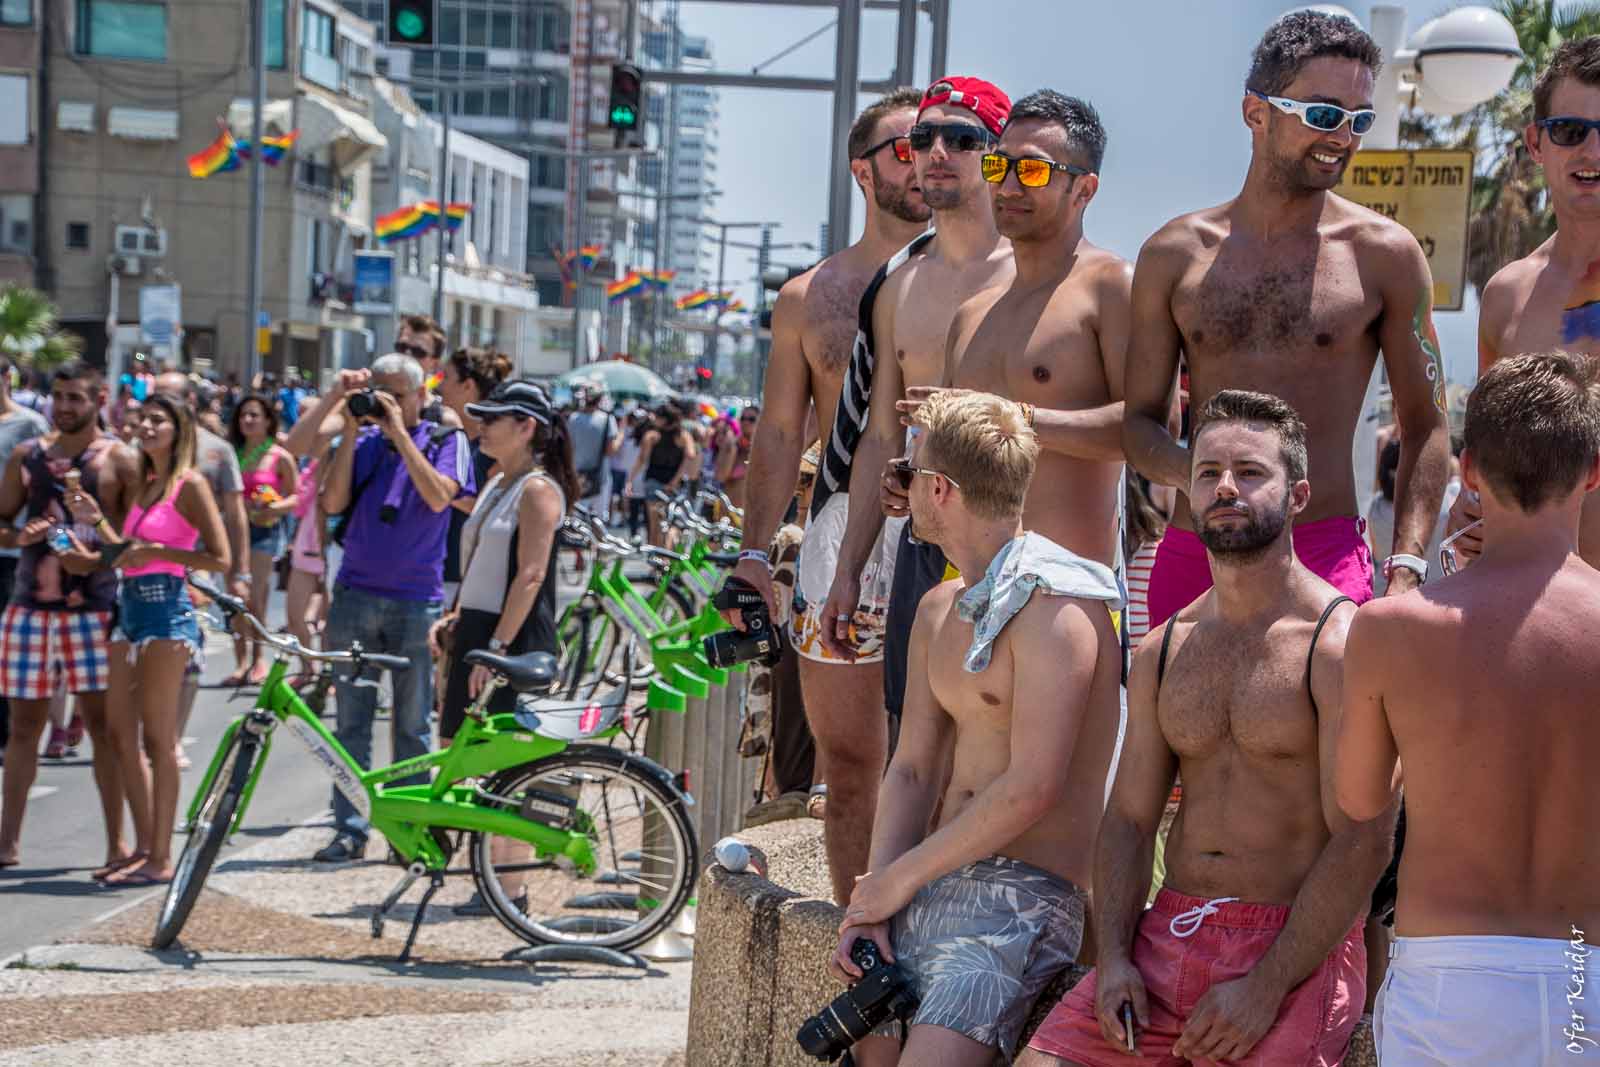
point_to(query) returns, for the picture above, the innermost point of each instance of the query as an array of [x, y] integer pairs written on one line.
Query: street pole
[[905, 45], [444, 196], [258, 91], [846, 74], [717, 308], [939, 43], [1389, 34]]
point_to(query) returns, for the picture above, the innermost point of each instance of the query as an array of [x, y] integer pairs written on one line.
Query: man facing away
[[1289, 290], [813, 326], [1551, 298], [1252, 951], [1010, 719], [909, 315], [1482, 691], [1054, 338]]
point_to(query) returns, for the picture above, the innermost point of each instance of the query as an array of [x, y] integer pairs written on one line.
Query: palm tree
[[26, 318], [1510, 214]]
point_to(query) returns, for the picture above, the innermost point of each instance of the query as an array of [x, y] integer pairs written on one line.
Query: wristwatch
[[496, 645], [1415, 564]]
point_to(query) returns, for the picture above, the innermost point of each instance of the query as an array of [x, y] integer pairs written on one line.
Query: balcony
[[321, 70]]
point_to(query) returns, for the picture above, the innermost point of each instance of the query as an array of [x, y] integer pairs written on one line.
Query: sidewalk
[[277, 966]]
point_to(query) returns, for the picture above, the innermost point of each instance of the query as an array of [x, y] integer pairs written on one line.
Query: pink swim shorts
[[1335, 549]]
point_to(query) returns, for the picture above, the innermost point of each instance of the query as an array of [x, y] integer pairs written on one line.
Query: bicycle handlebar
[[232, 606]]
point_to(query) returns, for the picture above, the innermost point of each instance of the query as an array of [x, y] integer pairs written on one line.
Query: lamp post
[[722, 263]]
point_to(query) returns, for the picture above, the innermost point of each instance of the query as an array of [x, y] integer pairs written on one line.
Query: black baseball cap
[[515, 398]]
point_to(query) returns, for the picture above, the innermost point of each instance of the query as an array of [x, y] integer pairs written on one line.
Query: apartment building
[[19, 138], [135, 87]]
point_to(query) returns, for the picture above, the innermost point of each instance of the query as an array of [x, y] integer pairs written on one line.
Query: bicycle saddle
[[531, 672]]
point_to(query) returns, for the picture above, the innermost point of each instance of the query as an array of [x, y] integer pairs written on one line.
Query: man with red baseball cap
[[910, 310]]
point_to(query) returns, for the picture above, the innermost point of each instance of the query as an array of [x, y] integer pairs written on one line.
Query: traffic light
[[411, 23], [627, 89]]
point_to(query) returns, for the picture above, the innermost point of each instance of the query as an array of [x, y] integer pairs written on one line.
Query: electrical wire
[[801, 43]]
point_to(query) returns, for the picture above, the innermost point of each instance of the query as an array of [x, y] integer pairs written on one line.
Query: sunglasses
[[1324, 118], [904, 472], [958, 136], [1447, 552], [406, 348], [1032, 172], [902, 148], [495, 416], [1568, 131]]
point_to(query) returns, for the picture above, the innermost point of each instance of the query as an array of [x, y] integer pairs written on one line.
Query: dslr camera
[[884, 991], [760, 641], [362, 404]]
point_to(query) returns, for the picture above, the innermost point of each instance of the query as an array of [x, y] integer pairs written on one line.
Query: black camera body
[[760, 641], [361, 404], [883, 992]]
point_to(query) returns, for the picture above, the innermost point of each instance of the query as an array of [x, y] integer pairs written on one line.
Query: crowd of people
[[1083, 609]]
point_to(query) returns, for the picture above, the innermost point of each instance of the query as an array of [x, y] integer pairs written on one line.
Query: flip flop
[[102, 873], [138, 880], [10, 863]]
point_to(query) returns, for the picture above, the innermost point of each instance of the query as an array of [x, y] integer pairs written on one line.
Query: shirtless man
[[959, 120], [1011, 698], [813, 326], [1292, 291], [1054, 338], [1259, 924], [1490, 675], [1551, 298]]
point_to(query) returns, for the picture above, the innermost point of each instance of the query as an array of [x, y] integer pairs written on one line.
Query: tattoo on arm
[[1428, 340]]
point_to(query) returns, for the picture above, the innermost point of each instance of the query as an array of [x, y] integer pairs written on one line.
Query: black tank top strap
[[1166, 643], [1311, 653]]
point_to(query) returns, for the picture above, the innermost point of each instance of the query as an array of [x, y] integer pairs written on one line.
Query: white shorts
[[1489, 1002], [819, 559]]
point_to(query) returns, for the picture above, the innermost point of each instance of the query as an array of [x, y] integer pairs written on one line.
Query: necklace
[[248, 458]]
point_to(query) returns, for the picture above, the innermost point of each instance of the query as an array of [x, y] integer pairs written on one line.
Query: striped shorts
[[41, 649]]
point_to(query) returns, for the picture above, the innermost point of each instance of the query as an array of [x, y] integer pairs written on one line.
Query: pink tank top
[[160, 524], [265, 472]]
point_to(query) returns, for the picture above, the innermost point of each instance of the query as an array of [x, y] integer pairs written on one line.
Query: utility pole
[[444, 198], [722, 262], [258, 92], [846, 74]]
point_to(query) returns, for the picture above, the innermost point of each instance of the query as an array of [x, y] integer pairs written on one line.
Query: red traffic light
[[704, 372]]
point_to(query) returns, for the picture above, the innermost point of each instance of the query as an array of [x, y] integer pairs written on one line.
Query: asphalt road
[[51, 894]]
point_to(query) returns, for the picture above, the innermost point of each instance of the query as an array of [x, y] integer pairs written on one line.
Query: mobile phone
[[59, 540]]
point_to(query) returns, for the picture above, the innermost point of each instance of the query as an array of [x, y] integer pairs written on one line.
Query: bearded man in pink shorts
[[1293, 291], [1252, 953]]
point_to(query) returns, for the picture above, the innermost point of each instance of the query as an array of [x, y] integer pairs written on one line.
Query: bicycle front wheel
[[207, 831], [644, 848]]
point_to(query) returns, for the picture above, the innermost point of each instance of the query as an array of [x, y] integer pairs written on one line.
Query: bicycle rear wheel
[[644, 847], [587, 640], [207, 832]]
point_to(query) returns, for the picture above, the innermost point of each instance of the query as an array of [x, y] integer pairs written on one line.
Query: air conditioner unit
[[127, 266], [141, 241]]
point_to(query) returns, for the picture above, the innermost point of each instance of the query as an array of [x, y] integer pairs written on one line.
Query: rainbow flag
[[733, 305], [454, 215], [412, 220], [624, 287], [273, 148], [658, 280], [218, 157], [689, 301], [589, 255]]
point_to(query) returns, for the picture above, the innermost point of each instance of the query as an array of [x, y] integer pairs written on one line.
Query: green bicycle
[[569, 843]]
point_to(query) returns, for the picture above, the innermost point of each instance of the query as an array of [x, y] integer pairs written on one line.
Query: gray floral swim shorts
[[982, 942]]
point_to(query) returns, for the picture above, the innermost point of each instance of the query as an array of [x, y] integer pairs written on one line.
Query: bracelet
[[1027, 414], [756, 554], [101, 521]]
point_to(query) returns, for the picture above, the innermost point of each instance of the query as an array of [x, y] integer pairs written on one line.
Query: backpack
[[341, 521]]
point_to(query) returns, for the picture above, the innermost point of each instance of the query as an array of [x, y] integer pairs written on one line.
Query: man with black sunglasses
[[813, 326], [1551, 298], [1291, 291], [424, 341], [1055, 338], [909, 315]]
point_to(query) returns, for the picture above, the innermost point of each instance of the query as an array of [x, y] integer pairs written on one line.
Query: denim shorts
[[269, 539], [156, 607]]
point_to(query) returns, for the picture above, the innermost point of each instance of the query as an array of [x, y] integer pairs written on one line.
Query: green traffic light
[[623, 116], [409, 24]]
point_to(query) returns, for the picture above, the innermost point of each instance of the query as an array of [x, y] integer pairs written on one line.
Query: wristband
[[101, 521], [756, 554], [1416, 564]]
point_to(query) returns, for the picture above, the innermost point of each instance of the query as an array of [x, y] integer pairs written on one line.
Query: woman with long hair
[[666, 462], [469, 376], [271, 481], [156, 633]]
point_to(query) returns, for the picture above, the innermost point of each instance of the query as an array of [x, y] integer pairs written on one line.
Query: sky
[[1165, 75]]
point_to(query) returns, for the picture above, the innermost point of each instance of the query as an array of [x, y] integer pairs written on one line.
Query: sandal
[[137, 880], [817, 802], [133, 859]]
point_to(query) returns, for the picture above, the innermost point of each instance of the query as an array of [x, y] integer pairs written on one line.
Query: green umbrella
[[623, 380]]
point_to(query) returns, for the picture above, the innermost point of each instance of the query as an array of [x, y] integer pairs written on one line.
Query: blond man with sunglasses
[[1055, 337], [1551, 297]]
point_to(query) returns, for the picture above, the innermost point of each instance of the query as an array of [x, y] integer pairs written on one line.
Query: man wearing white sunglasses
[[1289, 290], [1551, 297]]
